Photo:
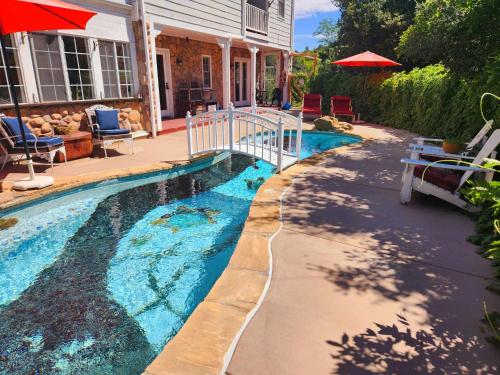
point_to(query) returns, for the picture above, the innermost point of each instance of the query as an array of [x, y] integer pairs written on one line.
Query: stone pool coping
[[206, 342]]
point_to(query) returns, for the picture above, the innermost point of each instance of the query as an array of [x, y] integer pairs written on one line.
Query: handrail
[[244, 132], [257, 19]]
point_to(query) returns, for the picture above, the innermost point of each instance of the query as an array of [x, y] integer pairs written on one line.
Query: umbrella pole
[[16, 106], [32, 182]]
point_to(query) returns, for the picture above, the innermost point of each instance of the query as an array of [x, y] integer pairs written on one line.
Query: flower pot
[[451, 148]]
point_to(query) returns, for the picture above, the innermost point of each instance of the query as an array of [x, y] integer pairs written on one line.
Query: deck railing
[[257, 19]]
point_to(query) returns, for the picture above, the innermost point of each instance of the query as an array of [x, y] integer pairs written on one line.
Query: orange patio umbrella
[[36, 15], [366, 59]]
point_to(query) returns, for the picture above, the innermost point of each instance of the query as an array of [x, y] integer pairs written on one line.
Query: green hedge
[[429, 101]]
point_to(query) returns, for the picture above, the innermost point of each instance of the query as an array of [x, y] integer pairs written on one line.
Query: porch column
[[225, 45], [286, 68], [253, 75]]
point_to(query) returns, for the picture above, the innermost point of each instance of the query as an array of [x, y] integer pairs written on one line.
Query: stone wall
[[186, 65], [68, 117]]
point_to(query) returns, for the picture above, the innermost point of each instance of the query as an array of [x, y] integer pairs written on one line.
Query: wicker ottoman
[[78, 146]]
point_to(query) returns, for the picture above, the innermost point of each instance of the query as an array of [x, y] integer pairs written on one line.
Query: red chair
[[312, 105], [341, 106]]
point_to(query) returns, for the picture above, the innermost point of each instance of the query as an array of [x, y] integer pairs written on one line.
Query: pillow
[[15, 130], [107, 119]]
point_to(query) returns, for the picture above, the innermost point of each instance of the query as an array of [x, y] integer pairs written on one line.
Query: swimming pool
[[98, 280]]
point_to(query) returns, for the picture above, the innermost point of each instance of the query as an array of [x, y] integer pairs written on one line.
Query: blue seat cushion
[[107, 119], [42, 142], [112, 132], [15, 130]]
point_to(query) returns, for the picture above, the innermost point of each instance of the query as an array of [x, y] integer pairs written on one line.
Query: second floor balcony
[[257, 16]]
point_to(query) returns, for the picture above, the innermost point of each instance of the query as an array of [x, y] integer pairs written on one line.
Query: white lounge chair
[[434, 146], [445, 180]]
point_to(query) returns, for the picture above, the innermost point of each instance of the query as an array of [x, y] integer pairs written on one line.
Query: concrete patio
[[362, 284]]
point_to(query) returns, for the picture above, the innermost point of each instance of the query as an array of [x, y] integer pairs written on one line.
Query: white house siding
[[280, 28], [210, 16]]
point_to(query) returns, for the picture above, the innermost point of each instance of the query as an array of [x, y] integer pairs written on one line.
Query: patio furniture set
[[104, 127], [341, 106]]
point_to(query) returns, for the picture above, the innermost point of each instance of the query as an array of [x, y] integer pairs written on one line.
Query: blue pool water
[[98, 280]]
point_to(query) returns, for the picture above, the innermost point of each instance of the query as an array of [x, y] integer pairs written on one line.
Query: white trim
[[65, 69], [167, 71], [203, 72], [263, 67], [26, 65], [241, 102], [95, 63]]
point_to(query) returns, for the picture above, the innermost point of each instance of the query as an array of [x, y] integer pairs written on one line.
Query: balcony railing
[[257, 19]]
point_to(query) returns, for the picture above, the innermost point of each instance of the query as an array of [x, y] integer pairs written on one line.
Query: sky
[[308, 14]]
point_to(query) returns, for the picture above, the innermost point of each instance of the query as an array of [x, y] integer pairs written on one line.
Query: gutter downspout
[[142, 16]]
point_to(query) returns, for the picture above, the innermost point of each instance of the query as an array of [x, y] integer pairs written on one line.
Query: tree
[[462, 34], [374, 25], [327, 32]]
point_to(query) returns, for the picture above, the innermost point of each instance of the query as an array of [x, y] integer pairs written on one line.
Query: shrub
[[429, 101]]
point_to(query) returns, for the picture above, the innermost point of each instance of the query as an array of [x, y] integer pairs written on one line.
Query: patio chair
[[434, 146], [444, 180], [312, 105], [12, 144], [342, 106], [105, 127]]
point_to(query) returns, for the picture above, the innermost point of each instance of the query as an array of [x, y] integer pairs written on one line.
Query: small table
[[78, 146]]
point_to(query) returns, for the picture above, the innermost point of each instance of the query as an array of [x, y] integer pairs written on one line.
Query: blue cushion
[[42, 142], [107, 119], [113, 132], [15, 130]]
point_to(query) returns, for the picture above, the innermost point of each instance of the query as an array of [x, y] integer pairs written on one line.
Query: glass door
[[241, 82]]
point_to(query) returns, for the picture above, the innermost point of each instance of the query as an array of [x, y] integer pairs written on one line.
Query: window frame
[[281, 3], [92, 45], [23, 98], [203, 71]]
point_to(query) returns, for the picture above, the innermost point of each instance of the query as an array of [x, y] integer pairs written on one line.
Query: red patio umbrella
[[366, 59], [36, 15]]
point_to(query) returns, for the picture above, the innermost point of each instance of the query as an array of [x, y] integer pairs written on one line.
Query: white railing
[[242, 132], [257, 19], [290, 122]]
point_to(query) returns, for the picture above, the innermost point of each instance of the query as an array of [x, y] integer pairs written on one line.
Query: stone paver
[[362, 284]]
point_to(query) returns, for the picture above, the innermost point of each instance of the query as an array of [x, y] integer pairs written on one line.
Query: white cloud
[[308, 8]]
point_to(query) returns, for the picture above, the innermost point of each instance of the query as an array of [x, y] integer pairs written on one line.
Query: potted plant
[[452, 145]]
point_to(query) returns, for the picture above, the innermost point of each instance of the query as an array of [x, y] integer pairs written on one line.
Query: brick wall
[[186, 64]]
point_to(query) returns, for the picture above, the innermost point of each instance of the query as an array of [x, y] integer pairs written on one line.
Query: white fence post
[[281, 135], [189, 135], [230, 122], [298, 136]]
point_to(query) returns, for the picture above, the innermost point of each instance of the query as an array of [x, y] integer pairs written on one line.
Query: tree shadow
[[415, 255]]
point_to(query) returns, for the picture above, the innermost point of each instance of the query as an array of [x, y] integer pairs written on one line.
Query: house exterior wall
[[212, 16], [113, 22], [186, 64], [222, 18]]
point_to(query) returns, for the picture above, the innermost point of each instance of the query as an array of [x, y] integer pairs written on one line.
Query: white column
[[27, 67], [253, 74], [225, 45], [154, 78], [286, 67]]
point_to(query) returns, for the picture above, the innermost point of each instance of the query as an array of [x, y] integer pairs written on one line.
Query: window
[[47, 58], [124, 69], [78, 67], [270, 73], [281, 8], [109, 70], [13, 61], [53, 53], [207, 71]]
